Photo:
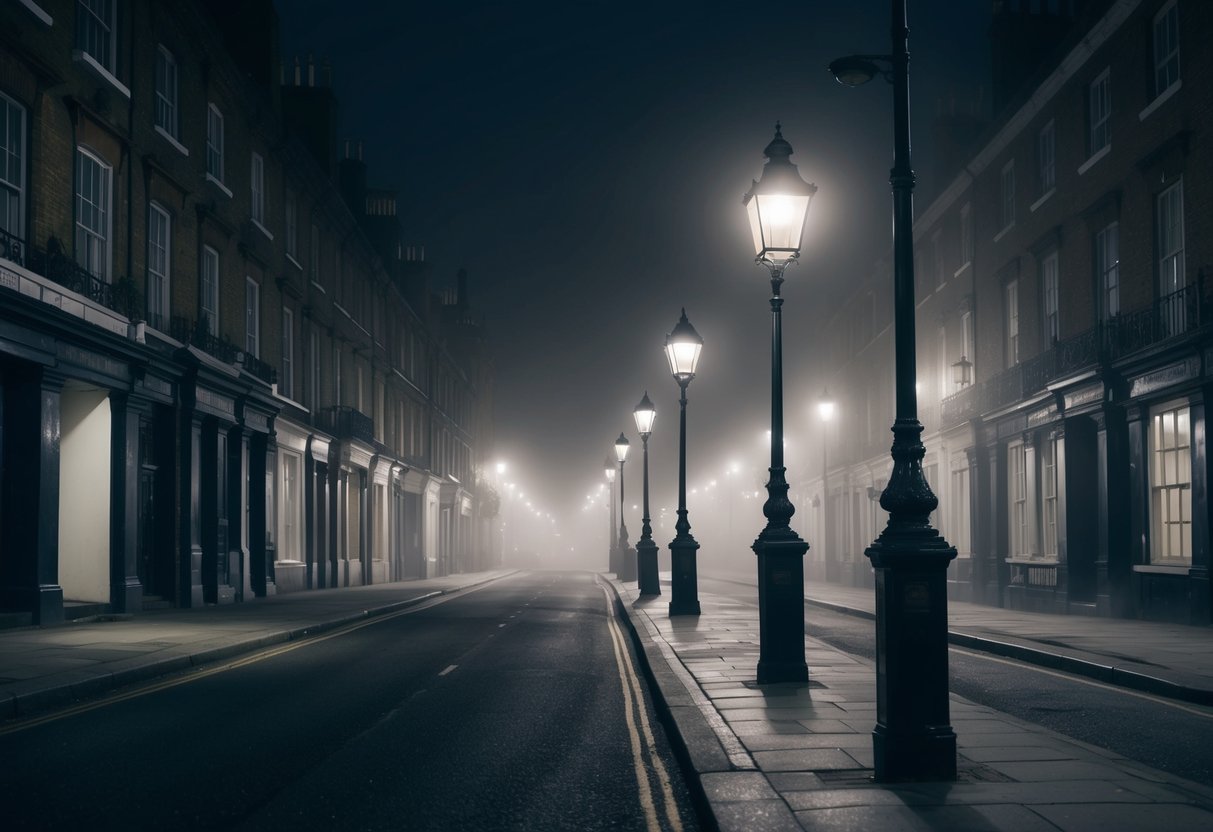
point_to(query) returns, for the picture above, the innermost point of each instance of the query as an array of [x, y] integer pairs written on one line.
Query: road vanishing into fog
[[515, 705], [1175, 737]]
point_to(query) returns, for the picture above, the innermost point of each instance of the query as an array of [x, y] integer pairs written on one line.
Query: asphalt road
[[1172, 736], [512, 706]]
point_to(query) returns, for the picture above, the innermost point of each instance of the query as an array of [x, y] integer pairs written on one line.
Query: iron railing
[[347, 423], [198, 334], [12, 247], [256, 367], [120, 295]]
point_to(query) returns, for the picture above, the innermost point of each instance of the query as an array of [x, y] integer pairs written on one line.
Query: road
[[1172, 736], [512, 706]]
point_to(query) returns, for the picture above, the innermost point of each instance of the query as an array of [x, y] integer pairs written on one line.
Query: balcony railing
[[120, 295], [197, 334], [347, 423], [12, 248], [958, 407], [255, 366]]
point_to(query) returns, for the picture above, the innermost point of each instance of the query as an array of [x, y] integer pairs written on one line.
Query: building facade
[[1064, 350], [222, 373]]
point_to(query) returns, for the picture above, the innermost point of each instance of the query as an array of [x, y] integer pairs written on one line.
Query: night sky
[[586, 161]]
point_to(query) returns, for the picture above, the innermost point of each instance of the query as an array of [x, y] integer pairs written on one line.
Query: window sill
[[168, 137], [101, 73], [262, 228], [295, 262], [1004, 232], [1154, 569], [1160, 99], [1043, 199], [210, 177], [1095, 157], [34, 9]]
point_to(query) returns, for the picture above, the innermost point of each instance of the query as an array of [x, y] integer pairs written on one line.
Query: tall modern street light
[[778, 205], [825, 412], [613, 557], [646, 549], [682, 348], [627, 566], [913, 738]]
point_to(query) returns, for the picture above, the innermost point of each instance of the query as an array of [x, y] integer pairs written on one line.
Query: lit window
[[1011, 304], [958, 535], [291, 515], [1171, 486], [1049, 272], [208, 303], [1107, 269], [252, 317], [159, 260], [166, 92], [1099, 101], [12, 179], [1046, 158], [214, 143], [257, 188], [1017, 494], [95, 30], [1166, 48], [1008, 194], [1048, 498], [93, 179]]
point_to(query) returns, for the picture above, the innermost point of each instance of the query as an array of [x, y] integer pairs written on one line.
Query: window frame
[[108, 31], [1046, 158], [208, 296], [252, 316], [14, 192], [215, 161], [83, 232], [1047, 451], [1018, 520], [1099, 112], [1050, 279], [167, 98], [1107, 270], [158, 313], [1159, 486], [286, 377], [257, 188], [1163, 63], [1010, 302]]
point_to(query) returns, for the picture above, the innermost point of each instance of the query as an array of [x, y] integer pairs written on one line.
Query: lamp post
[[778, 204], [682, 348], [825, 412], [913, 738], [613, 556], [962, 373], [627, 566], [646, 549]]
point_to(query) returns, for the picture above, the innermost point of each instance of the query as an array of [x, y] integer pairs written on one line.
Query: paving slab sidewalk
[[788, 757], [43, 667]]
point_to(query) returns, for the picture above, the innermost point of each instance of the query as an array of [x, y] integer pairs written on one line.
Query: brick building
[[1064, 351], [222, 372]]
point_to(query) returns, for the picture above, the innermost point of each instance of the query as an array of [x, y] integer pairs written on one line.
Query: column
[[190, 590], [126, 593], [240, 500]]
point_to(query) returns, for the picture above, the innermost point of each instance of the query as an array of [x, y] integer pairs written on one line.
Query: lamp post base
[[646, 565], [781, 608], [684, 583]]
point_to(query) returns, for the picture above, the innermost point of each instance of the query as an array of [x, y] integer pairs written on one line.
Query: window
[[1099, 103], [1107, 270], [12, 178], [93, 178], [1048, 498], [1049, 276], [286, 384], [208, 302], [1171, 278], [314, 263], [292, 223], [1166, 48], [257, 186], [958, 535], [966, 343], [966, 235], [1171, 486], [252, 317], [1017, 494], [291, 515], [313, 352], [166, 92], [1008, 194], [1011, 304], [1046, 158], [159, 261], [214, 143], [337, 374], [95, 30]]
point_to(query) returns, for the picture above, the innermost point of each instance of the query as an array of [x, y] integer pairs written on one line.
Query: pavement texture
[[790, 757]]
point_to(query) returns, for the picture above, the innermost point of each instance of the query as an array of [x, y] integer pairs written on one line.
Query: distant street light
[[778, 205], [627, 566], [825, 412], [646, 550], [682, 348], [913, 738], [962, 373], [613, 555]]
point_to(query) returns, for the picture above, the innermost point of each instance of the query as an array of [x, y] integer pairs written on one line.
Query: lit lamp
[[646, 550], [962, 373], [613, 556], [913, 738], [682, 348], [778, 204], [626, 564], [825, 412]]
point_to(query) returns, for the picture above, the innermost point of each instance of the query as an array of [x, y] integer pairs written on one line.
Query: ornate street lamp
[[646, 549], [626, 564], [682, 348], [962, 373], [913, 738], [613, 556], [778, 205], [825, 412]]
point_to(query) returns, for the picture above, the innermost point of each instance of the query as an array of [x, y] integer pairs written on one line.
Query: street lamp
[[913, 738], [962, 373], [682, 348], [613, 555], [646, 549], [825, 412], [626, 564], [778, 204]]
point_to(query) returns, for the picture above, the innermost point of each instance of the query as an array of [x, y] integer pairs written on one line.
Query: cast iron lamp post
[[778, 205], [825, 412], [646, 549], [613, 558], [626, 565], [682, 348], [913, 738]]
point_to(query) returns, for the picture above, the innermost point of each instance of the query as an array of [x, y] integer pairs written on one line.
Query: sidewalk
[[786, 757], [1173, 660], [42, 667]]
